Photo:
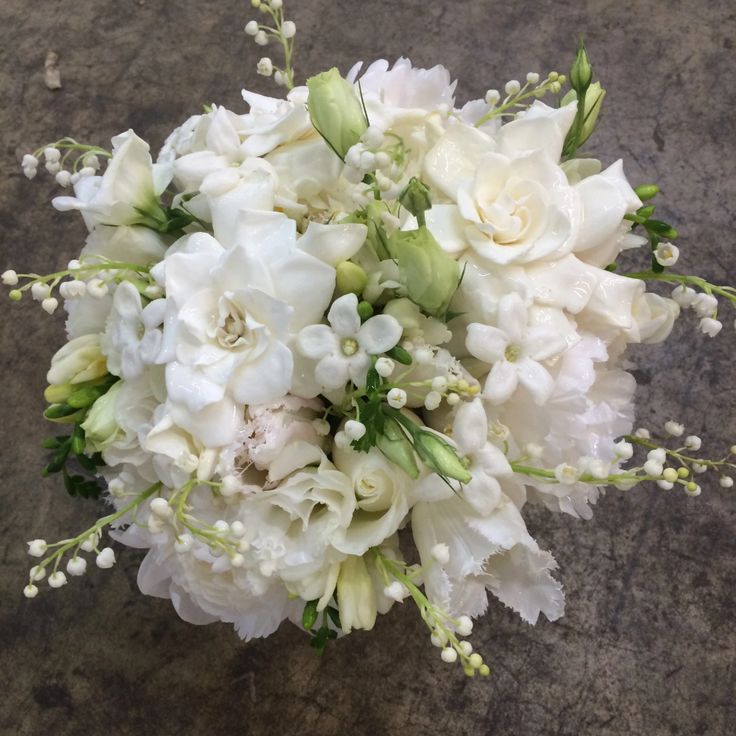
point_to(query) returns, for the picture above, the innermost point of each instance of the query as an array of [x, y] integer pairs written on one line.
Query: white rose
[[382, 498]]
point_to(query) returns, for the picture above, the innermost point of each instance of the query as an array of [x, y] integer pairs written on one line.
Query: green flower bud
[[15, 295], [581, 72], [62, 414], [429, 275], [439, 456], [101, 426], [395, 445], [351, 278], [365, 310], [586, 119], [336, 111], [646, 191], [415, 198], [58, 393]]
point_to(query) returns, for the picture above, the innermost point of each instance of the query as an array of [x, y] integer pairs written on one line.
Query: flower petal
[[343, 316], [264, 380], [486, 343], [332, 371], [512, 317], [501, 382], [316, 341], [379, 334], [470, 428], [536, 379]]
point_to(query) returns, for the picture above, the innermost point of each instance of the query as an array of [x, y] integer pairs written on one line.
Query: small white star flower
[[343, 348]]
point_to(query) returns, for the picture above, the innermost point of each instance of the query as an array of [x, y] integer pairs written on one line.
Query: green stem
[[728, 292]]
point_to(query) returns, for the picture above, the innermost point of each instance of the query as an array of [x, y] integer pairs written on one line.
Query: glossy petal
[[485, 342], [379, 334], [343, 316], [501, 382], [316, 341], [536, 379]]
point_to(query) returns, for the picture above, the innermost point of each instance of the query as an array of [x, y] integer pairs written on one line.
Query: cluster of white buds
[[519, 96], [76, 565], [677, 466], [380, 158], [283, 32], [82, 160], [444, 628], [704, 303], [77, 280]]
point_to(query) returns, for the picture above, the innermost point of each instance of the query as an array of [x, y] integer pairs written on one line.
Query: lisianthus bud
[[335, 110], [395, 445], [429, 275], [415, 198], [593, 102], [581, 71], [439, 456], [356, 595], [101, 426]]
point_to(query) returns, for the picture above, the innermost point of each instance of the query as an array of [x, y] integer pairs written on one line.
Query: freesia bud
[[356, 595], [336, 111], [101, 426]]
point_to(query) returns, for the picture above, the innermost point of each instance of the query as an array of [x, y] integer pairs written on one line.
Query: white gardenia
[[281, 359]]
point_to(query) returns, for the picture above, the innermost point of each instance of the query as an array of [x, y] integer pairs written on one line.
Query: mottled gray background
[[648, 643]]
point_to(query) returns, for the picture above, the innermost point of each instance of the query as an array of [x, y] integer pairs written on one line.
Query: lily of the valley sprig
[[321, 355]]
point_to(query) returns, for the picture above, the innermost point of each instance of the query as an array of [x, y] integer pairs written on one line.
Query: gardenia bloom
[[229, 317], [344, 348], [514, 349]]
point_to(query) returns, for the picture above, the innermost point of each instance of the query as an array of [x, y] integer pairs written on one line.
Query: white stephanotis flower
[[343, 348], [132, 336], [128, 190], [515, 349], [230, 316]]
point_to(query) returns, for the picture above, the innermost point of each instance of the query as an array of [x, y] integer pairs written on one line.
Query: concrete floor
[[648, 643]]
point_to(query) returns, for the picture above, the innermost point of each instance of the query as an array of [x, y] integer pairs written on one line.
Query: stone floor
[[648, 643]]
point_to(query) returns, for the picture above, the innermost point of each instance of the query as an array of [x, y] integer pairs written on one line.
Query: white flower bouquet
[[321, 354]]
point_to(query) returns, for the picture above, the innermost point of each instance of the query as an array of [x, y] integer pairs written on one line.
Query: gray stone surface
[[648, 642]]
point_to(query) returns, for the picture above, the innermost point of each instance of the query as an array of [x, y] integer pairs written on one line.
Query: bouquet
[[322, 354]]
